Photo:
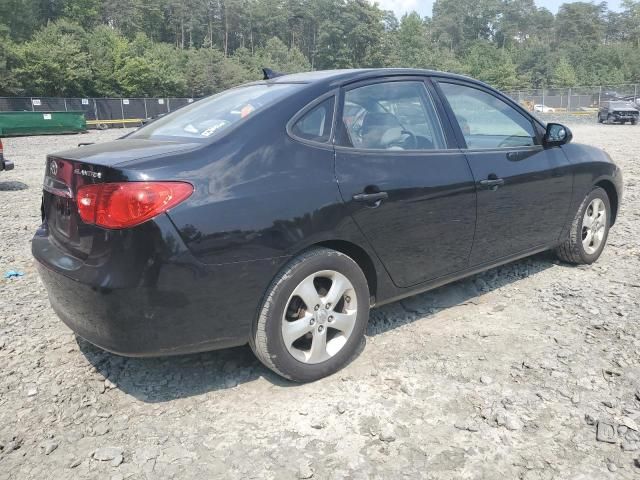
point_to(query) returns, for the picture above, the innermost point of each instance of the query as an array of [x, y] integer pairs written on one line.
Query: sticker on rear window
[[211, 130]]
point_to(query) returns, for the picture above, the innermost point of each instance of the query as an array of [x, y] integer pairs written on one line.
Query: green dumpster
[[40, 123]]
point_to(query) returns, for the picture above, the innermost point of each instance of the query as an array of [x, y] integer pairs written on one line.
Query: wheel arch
[[358, 255], [609, 187]]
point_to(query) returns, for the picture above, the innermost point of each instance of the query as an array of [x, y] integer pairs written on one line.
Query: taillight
[[1, 146], [127, 204]]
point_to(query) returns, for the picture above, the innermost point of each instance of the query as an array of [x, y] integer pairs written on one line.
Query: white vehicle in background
[[543, 109]]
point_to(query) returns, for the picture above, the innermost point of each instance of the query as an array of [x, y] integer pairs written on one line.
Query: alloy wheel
[[320, 316], [594, 226]]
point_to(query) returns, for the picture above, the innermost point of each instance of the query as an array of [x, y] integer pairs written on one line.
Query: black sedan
[[279, 212]]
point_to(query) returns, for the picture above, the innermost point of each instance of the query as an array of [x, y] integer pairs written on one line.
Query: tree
[[581, 22], [21, 18], [564, 74], [158, 47], [107, 50], [492, 65], [413, 42], [458, 22], [86, 13], [631, 21], [53, 62], [7, 82], [514, 25], [152, 69]]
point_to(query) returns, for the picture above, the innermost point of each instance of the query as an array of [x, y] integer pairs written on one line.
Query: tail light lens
[[127, 204], [1, 146]]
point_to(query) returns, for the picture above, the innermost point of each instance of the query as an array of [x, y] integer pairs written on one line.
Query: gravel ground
[[529, 371]]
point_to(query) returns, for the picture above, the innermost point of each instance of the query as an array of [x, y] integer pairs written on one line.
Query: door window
[[316, 123], [391, 116], [486, 121]]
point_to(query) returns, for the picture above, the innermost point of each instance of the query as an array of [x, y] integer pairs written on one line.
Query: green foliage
[[581, 22], [53, 62], [199, 47], [85, 12], [492, 65], [8, 85], [564, 75]]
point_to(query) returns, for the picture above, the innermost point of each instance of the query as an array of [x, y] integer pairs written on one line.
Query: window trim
[[430, 93], [306, 109], [462, 143]]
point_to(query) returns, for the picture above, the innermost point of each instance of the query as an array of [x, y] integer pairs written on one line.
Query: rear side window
[[315, 125], [391, 116], [212, 115]]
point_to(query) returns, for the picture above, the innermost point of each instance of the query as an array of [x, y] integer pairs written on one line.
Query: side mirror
[[557, 134]]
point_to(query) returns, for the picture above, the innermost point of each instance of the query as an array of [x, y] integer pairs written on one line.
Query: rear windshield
[[212, 115]]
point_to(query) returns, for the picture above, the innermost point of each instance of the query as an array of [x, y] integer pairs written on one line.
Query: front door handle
[[492, 183], [370, 197]]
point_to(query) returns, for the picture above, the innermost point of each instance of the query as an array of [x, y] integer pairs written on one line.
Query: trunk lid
[[124, 150], [60, 214], [67, 171]]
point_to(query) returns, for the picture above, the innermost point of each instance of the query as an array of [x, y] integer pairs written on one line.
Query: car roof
[[338, 77]]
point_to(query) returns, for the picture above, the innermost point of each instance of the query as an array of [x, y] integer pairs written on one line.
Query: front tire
[[313, 317], [588, 231]]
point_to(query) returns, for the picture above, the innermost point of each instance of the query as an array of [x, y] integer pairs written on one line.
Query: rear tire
[[588, 231], [313, 318]]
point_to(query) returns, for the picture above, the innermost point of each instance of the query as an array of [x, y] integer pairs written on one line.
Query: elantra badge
[[88, 173]]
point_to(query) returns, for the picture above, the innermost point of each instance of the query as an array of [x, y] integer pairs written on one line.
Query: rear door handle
[[370, 197], [492, 183]]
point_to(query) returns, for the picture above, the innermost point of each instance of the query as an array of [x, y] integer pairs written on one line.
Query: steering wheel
[[406, 140]]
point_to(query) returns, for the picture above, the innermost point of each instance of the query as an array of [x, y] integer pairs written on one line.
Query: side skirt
[[438, 282]]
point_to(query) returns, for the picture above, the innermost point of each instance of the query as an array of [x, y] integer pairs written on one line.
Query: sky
[[423, 7]]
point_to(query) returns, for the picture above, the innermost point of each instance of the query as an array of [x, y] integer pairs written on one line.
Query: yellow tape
[[110, 122]]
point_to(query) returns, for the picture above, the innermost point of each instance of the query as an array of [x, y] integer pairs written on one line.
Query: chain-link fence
[[99, 112], [575, 100], [122, 112]]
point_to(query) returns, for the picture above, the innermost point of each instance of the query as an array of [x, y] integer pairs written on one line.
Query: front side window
[[391, 116], [212, 115], [315, 125], [486, 121]]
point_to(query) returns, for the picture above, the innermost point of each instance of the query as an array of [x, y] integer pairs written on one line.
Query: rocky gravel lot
[[527, 371]]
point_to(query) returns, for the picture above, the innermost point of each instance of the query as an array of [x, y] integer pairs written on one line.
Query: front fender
[[593, 167]]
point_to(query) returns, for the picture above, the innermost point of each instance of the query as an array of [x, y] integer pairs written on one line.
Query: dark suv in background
[[618, 111]]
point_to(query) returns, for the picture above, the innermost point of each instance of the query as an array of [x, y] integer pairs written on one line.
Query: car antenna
[[269, 74]]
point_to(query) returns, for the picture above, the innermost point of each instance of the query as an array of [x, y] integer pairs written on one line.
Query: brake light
[[127, 204], [1, 146]]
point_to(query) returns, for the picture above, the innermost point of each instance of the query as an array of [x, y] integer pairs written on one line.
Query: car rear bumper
[[166, 304]]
